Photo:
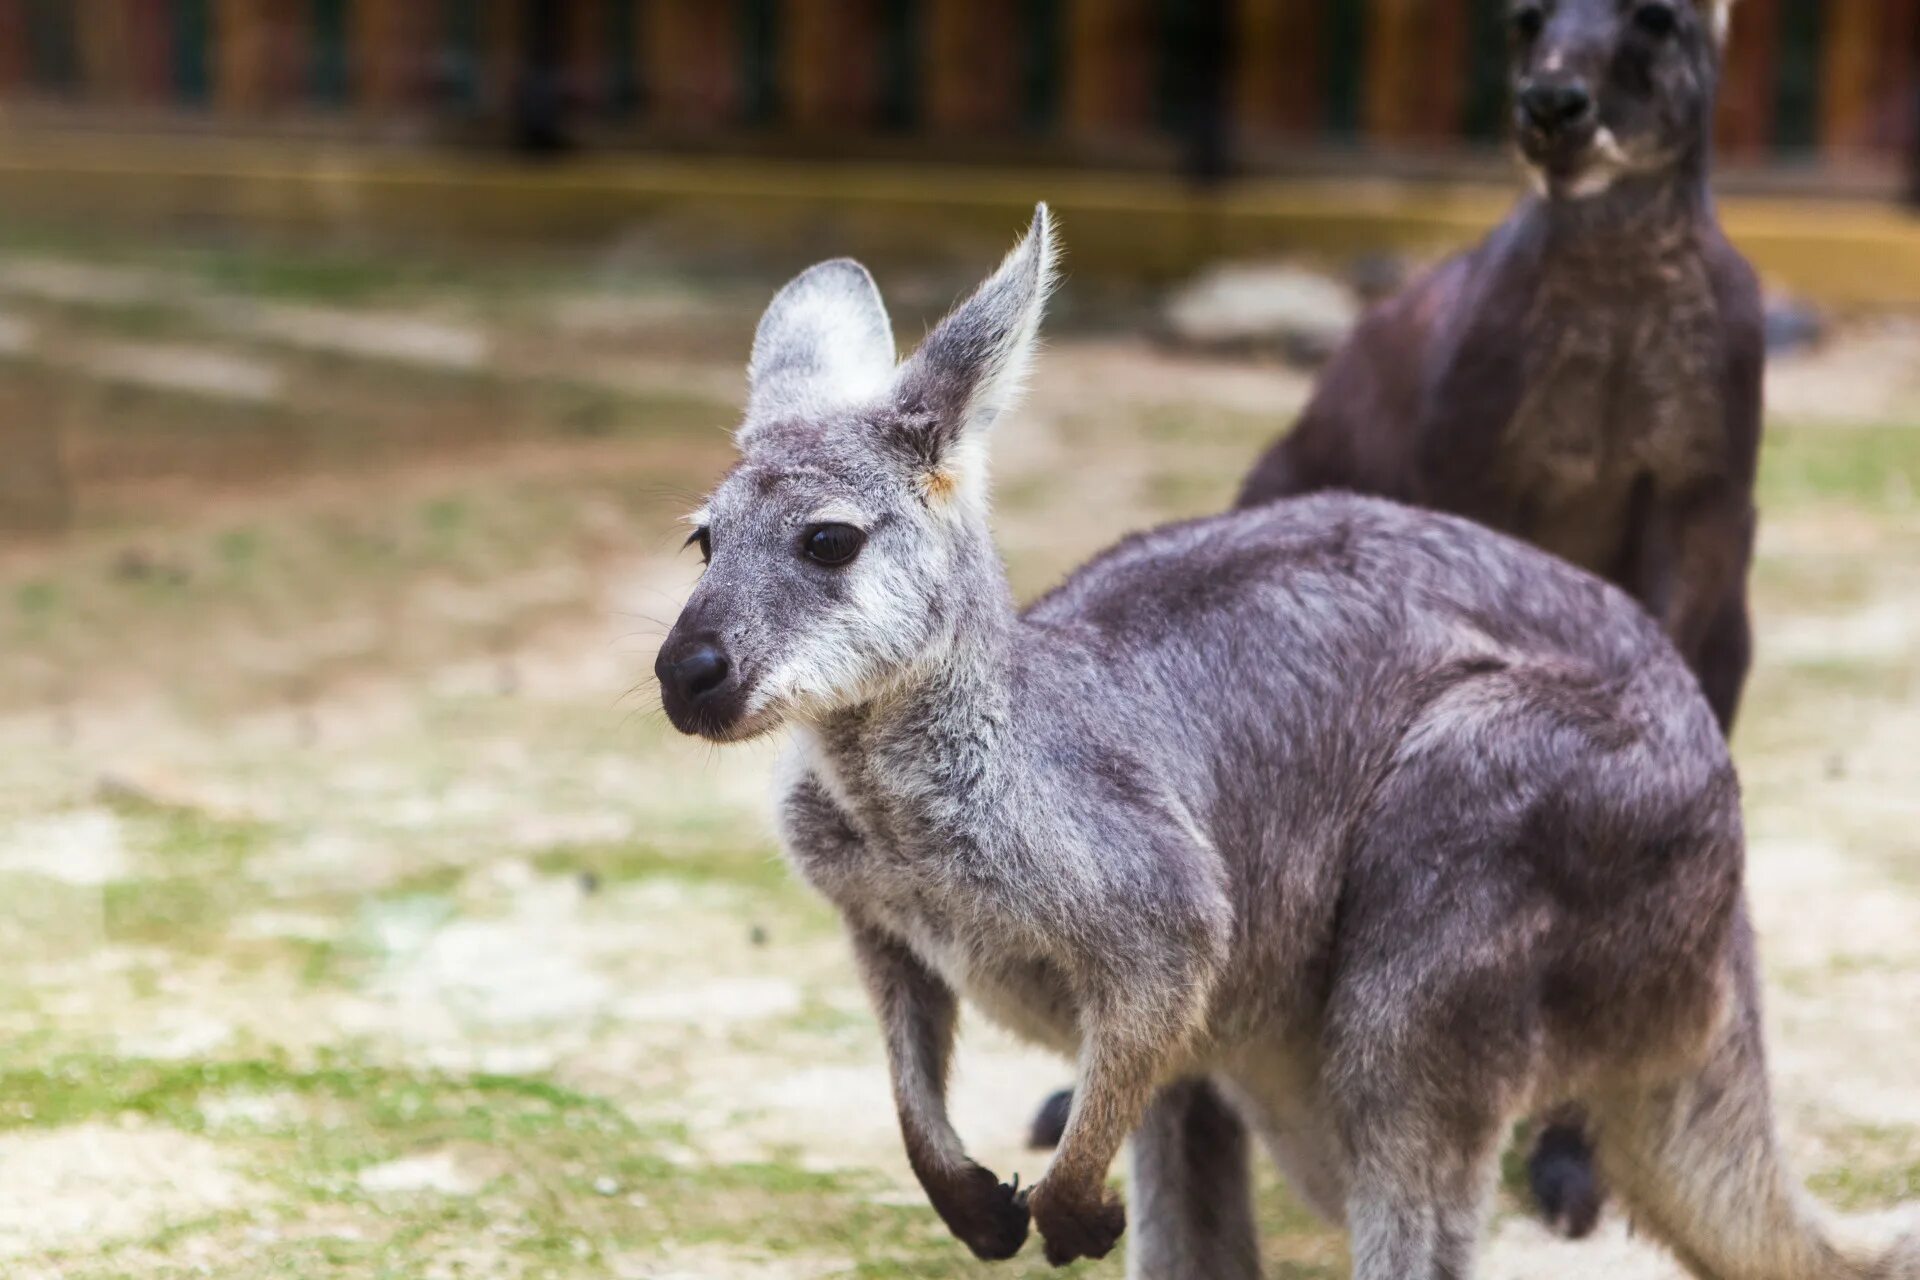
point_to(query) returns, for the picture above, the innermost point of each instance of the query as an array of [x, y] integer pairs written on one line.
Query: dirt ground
[[363, 919]]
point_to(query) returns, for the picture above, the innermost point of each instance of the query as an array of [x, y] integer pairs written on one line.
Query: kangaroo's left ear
[[973, 367], [825, 343]]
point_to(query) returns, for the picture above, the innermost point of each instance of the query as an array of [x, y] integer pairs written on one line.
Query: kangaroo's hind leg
[[1433, 1029], [1422, 1123], [1192, 1198], [1430, 1056]]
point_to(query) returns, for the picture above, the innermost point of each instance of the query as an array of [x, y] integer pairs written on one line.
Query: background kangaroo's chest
[[1620, 392]]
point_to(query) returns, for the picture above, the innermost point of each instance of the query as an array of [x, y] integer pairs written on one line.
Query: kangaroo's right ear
[[825, 343], [973, 367], [1719, 15]]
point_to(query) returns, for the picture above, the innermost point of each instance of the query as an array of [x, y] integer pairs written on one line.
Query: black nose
[[1554, 105], [698, 671]]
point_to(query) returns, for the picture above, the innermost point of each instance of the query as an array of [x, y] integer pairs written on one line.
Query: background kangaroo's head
[[850, 542], [1609, 88]]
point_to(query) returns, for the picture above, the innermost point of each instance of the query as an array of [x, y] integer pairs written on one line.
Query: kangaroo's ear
[[1719, 14], [824, 343], [972, 368]]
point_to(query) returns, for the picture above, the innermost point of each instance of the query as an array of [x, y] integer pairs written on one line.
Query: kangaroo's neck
[[1641, 220], [932, 757]]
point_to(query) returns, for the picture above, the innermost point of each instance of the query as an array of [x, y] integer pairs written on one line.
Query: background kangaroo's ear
[[824, 343], [1719, 16], [972, 368]]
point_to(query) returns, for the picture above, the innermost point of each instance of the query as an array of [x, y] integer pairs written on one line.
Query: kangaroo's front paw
[[985, 1214], [1077, 1227]]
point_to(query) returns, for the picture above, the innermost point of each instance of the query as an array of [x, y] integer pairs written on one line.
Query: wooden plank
[[52, 46], [1110, 66], [622, 37], [897, 104], [151, 23], [1897, 78], [367, 82], [1280, 71], [276, 57], [692, 67], [504, 35], [1444, 71], [1749, 70], [1486, 112], [1042, 64], [192, 48], [329, 76], [240, 57], [388, 67], [106, 55], [588, 64], [830, 60], [758, 49], [1390, 88], [1847, 61], [1797, 87], [1345, 51], [14, 70], [462, 33]]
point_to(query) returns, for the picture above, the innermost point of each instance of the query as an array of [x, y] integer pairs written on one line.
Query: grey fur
[[1387, 827]]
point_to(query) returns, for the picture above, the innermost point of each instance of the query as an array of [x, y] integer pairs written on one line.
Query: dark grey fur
[[1589, 377], [1365, 827]]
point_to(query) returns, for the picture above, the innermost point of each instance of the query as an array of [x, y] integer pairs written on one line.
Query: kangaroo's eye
[[1656, 19], [1529, 22], [702, 538], [833, 544]]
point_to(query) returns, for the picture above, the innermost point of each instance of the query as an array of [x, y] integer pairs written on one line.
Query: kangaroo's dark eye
[[702, 538], [834, 544], [1656, 19], [1529, 22]]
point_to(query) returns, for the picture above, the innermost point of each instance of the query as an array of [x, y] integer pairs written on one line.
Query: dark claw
[[988, 1216], [1073, 1232]]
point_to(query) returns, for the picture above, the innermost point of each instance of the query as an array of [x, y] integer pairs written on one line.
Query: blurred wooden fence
[[1095, 79]]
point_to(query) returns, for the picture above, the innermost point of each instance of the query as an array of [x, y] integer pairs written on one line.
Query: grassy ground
[[363, 919]]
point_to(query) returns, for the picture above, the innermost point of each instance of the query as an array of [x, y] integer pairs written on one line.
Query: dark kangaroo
[[1588, 378]]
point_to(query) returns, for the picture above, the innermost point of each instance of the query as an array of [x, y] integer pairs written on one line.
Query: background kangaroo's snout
[[1556, 105]]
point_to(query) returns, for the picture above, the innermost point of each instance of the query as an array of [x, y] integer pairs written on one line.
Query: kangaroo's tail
[[1698, 1163]]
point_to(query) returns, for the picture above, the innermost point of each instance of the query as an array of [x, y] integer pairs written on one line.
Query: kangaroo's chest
[[932, 893], [1619, 395], [1021, 990]]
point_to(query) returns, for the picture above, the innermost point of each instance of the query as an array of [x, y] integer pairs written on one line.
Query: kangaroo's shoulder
[[1237, 543], [1333, 543]]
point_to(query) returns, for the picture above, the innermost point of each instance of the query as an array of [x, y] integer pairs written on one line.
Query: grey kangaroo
[[1588, 378], [1360, 829]]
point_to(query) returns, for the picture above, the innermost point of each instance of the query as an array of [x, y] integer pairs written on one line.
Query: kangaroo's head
[[849, 545], [1605, 89]]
